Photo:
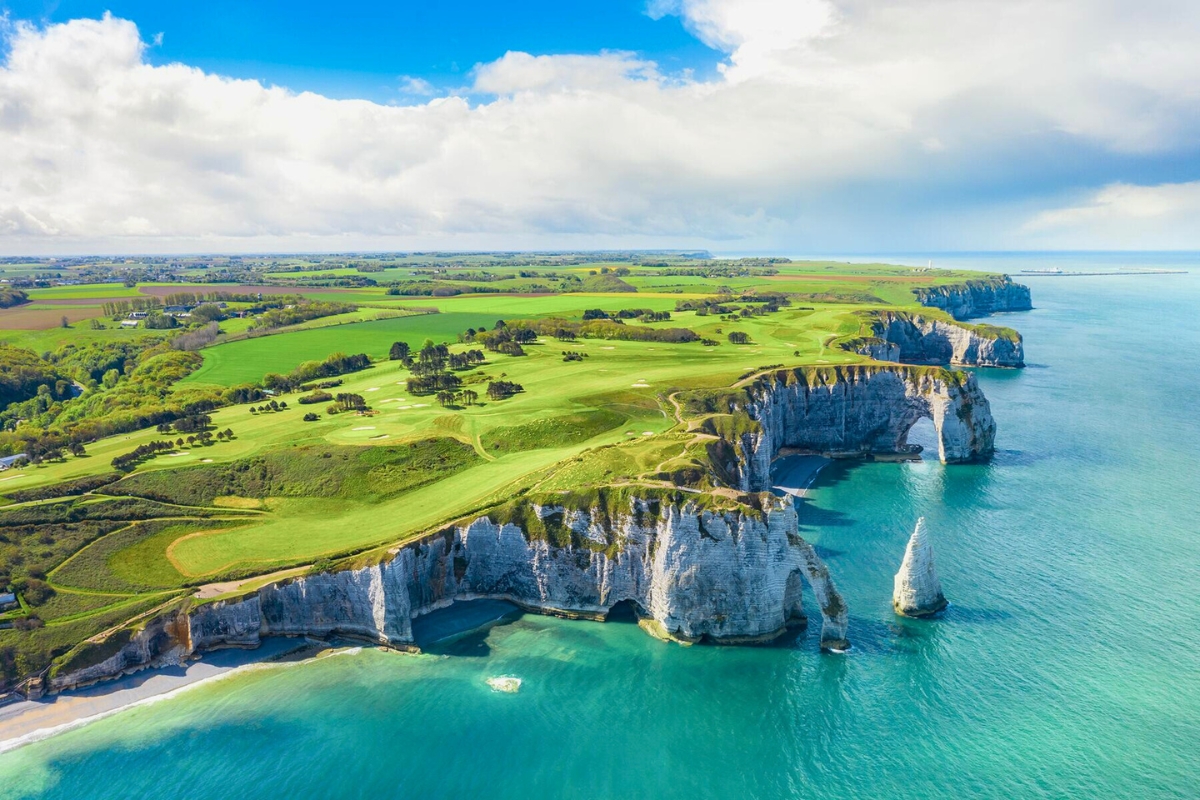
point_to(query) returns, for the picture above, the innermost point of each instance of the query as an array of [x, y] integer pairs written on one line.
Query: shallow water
[[1067, 666]]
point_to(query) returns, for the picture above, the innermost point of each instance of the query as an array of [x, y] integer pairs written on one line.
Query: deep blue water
[[1067, 666]]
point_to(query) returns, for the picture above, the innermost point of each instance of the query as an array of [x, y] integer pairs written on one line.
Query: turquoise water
[[1068, 665]]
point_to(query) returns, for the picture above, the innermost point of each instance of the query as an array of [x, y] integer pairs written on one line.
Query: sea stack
[[917, 592]]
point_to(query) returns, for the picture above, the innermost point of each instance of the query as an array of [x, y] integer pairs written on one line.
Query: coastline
[[29, 721], [794, 474]]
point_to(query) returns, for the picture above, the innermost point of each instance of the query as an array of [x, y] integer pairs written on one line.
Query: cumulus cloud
[[1125, 216], [833, 123]]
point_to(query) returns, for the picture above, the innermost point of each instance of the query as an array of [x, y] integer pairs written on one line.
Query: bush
[[311, 417], [315, 397]]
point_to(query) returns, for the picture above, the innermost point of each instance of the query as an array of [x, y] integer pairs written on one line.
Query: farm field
[[295, 484]]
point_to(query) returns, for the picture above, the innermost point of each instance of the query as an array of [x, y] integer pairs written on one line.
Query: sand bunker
[[364, 428]]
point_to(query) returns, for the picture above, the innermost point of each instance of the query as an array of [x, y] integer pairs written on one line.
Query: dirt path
[[217, 589]]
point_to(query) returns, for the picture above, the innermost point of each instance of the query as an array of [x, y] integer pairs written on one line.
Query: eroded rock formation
[[915, 339], [977, 298], [859, 411], [729, 576], [917, 592]]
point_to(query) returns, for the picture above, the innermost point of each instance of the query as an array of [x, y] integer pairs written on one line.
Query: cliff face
[[977, 298], [918, 340], [861, 410], [727, 576]]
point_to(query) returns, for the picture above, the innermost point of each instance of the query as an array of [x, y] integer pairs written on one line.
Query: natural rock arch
[[859, 411]]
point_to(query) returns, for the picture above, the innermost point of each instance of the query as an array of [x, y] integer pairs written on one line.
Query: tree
[[229, 433], [311, 417], [445, 398], [738, 337], [469, 396], [66, 323], [399, 351], [76, 448]]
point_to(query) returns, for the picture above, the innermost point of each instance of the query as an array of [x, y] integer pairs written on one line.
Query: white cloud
[[842, 123], [1124, 216]]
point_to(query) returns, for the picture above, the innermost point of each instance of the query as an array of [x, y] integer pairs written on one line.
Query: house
[[129, 323], [138, 314], [178, 311], [7, 462], [7, 599]]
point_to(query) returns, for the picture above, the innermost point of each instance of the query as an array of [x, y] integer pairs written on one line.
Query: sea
[[1067, 666]]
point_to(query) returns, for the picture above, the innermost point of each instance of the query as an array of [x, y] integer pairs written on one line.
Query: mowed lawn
[[248, 360]]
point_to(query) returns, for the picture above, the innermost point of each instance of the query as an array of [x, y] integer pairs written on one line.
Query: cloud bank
[[850, 125]]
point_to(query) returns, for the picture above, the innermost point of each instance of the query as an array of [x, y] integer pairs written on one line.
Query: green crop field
[[283, 492]]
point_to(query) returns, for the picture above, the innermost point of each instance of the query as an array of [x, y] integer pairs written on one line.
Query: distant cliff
[[977, 298], [912, 338], [844, 411], [731, 574]]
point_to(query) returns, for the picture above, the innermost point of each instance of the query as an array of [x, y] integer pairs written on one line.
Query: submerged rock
[[505, 683], [918, 592]]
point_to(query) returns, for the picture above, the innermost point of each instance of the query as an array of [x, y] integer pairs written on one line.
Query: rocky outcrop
[[915, 339], [856, 411], [162, 641], [977, 298], [731, 575], [917, 591]]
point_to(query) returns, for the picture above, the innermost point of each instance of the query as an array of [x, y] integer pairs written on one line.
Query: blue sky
[[361, 49], [733, 125]]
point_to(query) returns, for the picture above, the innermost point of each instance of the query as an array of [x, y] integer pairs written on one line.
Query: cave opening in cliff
[[625, 611], [924, 436]]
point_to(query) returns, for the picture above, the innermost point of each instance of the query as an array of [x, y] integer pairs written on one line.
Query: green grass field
[[248, 360], [284, 492]]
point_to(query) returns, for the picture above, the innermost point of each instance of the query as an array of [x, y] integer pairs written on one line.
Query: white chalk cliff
[[917, 592], [917, 339], [857, 410], [727, 576], [977, 298]]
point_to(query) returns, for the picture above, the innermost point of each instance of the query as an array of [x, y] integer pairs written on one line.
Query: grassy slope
[[577, 423]]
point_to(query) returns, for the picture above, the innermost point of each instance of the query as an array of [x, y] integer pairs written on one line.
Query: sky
[[734, 125]]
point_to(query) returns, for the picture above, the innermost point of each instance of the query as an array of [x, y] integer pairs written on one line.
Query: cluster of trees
[[300, 312], [502, 338], [524, 331], [198, 338], [187, 424], [316, 397], [126, 462], [308, 387], [10, 297], [467, 397], [430, 368], [335, 364], [347, 402], [573, 355], [641, 314], [121, 308], [269, 408], [739, 337], [24, 375], [501, 390], [744, 268]]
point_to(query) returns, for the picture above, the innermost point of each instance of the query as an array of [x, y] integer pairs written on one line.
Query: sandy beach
[[794, 474], [32, 720]]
